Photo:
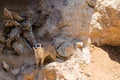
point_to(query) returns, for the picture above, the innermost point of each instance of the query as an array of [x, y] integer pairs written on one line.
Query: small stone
[[7, 13], [15, 72], [11, 23], [5, 66], [88, 74], [17, 17]]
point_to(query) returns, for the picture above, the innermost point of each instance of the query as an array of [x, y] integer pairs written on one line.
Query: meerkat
[[42, 52]]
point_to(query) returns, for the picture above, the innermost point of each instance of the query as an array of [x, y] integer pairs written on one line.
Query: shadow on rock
[[113, 51]]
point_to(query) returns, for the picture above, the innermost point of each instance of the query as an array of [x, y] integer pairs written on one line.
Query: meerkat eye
[[41, 45], [34, 46], [38, 45]]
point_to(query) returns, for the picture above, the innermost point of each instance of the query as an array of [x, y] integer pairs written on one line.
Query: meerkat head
[[79, 45], [37, 46]]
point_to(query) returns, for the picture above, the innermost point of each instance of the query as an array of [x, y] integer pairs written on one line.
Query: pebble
[[5, 66], [15, 72], [88, 74]]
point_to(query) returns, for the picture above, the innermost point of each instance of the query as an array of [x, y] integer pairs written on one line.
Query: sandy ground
[[105, 64]]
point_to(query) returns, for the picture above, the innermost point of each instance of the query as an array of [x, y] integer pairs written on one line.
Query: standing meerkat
[[42, 52]]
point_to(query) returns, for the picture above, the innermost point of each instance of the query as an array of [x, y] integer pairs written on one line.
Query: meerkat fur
[[41, 53]]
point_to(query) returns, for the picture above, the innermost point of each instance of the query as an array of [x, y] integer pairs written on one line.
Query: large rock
[[21, 47], [69, 70], [105, 22], [53, 19], [64, 46], [65, 17]]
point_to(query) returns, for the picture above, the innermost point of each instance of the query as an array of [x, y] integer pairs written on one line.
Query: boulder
[[105, 23], [21, 47], [69, 18], [64, 46], [69, 70]]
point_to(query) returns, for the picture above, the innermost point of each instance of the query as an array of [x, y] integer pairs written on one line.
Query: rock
[[105, 23], [86, 55], [11, 23], [65, 18], [58, 41], [91, 3], [27, 64], [14, 34], [69, 70], [29, 73], [1, 47], [17, 17], [88, 74], [7, 13], [83, 55], [64, 46], [5, 66], [27, 32], [27, 70], [5, 75], [21, 47], [15, 72], [29, 37], [2, 36]]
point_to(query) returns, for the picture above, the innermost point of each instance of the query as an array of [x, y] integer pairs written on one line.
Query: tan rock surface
[[106, 23]]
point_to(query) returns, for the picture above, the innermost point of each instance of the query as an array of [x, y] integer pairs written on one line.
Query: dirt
[[105, 64]]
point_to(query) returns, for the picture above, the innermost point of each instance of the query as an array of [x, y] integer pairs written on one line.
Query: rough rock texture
[[65, 18], [60, 22], [64, 46], [5, 75], [106, 23], [48, 20], [21, 47], [69, 70]]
